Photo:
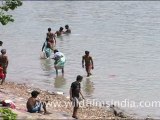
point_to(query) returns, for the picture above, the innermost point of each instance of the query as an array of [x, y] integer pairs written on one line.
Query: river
[[122, 37]]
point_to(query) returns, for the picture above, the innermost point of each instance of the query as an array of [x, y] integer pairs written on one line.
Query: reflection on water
[[88, 87], [60, 37], [47, 66], [59, 82]]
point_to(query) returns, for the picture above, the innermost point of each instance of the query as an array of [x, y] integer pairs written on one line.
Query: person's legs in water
[[56, 71], [56, 68], [47, 52], [88, 70], [62, 71]]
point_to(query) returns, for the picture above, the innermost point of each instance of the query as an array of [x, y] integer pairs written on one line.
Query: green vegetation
[[7, 114], [5, 7]]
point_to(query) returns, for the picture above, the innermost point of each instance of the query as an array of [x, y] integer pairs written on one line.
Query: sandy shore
[[19, 93]]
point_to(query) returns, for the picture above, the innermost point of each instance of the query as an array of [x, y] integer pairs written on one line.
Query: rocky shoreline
[[58, 103]]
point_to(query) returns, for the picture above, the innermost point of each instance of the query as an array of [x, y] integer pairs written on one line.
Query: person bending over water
[[4, 63], [59, 61], [87, 59], [68, 30]]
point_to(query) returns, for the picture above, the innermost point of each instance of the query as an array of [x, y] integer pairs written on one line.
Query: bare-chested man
[[4, 63], [60, 32], [87, 59], [51, 37], [68, 30], [33, 105]]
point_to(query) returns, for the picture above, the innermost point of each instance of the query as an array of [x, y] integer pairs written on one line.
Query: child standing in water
[[87, 59]]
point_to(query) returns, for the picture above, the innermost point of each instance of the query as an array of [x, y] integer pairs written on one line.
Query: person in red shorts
[[1, 73], [87, 59], [51, 37], [4, 63]]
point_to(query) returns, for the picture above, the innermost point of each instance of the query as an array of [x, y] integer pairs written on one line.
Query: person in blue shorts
[[34, 105]]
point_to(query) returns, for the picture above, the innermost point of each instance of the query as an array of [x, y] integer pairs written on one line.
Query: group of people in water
[[3, 63], [49, 47], [87, 63]]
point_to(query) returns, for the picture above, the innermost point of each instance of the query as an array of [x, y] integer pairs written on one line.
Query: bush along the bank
[[7, 114]]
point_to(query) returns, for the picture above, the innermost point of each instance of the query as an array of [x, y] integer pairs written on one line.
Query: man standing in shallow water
[[51, 38], [87, 59]]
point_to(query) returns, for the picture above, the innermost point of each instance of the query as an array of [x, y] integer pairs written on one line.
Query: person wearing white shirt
[[59, 61]]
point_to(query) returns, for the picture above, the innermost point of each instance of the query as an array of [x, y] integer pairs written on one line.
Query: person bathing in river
[[46, 48], [87, 59], [1, 45], [59, 61], [68, 30], [4, 63], [51, 37], [60, 32]]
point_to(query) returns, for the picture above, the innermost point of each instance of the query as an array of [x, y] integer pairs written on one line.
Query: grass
[[7, 114]]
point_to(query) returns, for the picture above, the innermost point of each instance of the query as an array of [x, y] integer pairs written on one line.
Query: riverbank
[[58, 105]]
